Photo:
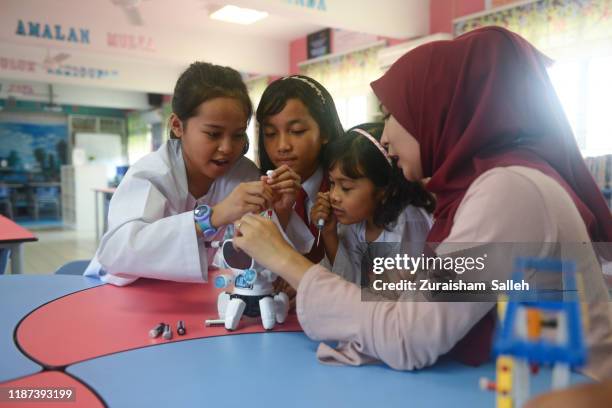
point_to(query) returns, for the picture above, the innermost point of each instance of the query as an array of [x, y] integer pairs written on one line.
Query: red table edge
[[15, 229], [105, 190], [45, 367], [62, 368], [49, 367]]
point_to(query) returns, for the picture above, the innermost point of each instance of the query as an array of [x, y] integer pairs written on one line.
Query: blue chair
[[73, 268], [120, 173], [5, 201], [47, 196], [5, 253]]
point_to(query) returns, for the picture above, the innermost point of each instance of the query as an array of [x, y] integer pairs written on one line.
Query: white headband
[[376, 143], [309, 83]]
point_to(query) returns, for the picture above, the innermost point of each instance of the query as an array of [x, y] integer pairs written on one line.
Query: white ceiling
[[180, 32], [192, 16]]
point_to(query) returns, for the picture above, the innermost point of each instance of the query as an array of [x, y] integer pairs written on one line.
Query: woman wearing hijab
[[479, 117]]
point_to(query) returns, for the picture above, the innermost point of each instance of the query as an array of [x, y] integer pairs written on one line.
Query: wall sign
[[309, 4], [65, 70], [319, 43], [55, 32], [130, 41], [15, 64], [82, 72]]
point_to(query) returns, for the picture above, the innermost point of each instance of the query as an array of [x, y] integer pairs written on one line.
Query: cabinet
[[78, 205]]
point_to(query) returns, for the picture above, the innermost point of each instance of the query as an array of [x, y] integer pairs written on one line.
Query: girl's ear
[[324, 139], [379, 195], [176, 125]]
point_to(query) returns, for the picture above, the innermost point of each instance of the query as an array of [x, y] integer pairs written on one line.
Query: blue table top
[[20, 295], [255, 370]]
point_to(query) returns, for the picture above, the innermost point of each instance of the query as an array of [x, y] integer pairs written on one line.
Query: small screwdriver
[[270, 174], [320, 224]]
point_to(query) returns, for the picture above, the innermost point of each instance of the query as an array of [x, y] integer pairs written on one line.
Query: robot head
[[241, 264], [235, 258]]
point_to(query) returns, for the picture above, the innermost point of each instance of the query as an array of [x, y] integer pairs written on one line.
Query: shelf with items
[[601, 169], [607, 193]]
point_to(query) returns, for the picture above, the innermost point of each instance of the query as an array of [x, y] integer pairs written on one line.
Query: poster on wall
[[319, 43], [32, 152]]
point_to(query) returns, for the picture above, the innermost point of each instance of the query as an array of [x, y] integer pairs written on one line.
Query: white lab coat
[[410, 231], [151, 231]]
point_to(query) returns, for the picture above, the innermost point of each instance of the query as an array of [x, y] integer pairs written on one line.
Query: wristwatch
[[201, 215]]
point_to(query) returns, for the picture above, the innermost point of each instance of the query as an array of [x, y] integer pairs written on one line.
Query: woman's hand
[[322, 210], [252, 197], [260, 238], [285, 184]]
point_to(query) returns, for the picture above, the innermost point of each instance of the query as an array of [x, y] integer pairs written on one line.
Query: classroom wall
[[442, 13], [64, 94], [298, 52]]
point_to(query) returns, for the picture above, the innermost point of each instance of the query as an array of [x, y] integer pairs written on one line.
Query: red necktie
[[300, 205], [316, 253]]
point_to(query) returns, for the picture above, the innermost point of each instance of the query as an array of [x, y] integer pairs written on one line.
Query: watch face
[[201, 211]]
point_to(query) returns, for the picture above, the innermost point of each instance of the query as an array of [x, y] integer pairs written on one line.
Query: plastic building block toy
[[541, 327]]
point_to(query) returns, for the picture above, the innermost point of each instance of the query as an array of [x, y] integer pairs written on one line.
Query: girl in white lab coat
[[173, 200], [369, 203]]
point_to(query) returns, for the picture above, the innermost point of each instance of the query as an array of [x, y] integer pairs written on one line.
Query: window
[[347, 77], [584, 87]]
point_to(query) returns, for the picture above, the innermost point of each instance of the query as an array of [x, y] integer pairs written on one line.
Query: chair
[[5, 254], [5, 201], [73, 267], [47, 196]]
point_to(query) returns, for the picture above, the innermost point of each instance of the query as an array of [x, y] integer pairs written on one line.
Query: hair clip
[[309, 83], [376, 143]]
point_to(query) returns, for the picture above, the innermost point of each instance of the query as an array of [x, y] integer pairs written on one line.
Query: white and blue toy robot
[[252, 295]]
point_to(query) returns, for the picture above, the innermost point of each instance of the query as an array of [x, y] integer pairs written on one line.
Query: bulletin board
[[32, 148]]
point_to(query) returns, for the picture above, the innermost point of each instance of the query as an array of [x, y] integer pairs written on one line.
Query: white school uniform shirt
[[151, 230], [410, 231], [311, 186]]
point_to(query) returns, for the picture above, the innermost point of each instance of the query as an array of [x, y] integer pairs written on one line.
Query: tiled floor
[[56, 247]]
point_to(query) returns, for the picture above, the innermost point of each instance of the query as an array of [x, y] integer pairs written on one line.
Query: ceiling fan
[[54, 62], [131, 10]]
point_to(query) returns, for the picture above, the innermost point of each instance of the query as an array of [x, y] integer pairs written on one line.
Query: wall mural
[[32, 152]]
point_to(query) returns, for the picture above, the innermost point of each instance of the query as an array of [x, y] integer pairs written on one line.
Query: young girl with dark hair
[[369, 201], [297, 119], [173, 200]]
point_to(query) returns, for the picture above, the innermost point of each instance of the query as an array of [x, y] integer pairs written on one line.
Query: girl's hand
[[252, 197], [322, 210], [260, 238], [285, 184]]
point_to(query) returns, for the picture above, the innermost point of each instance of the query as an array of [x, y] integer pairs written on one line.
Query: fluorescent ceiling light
[[238, 15]]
